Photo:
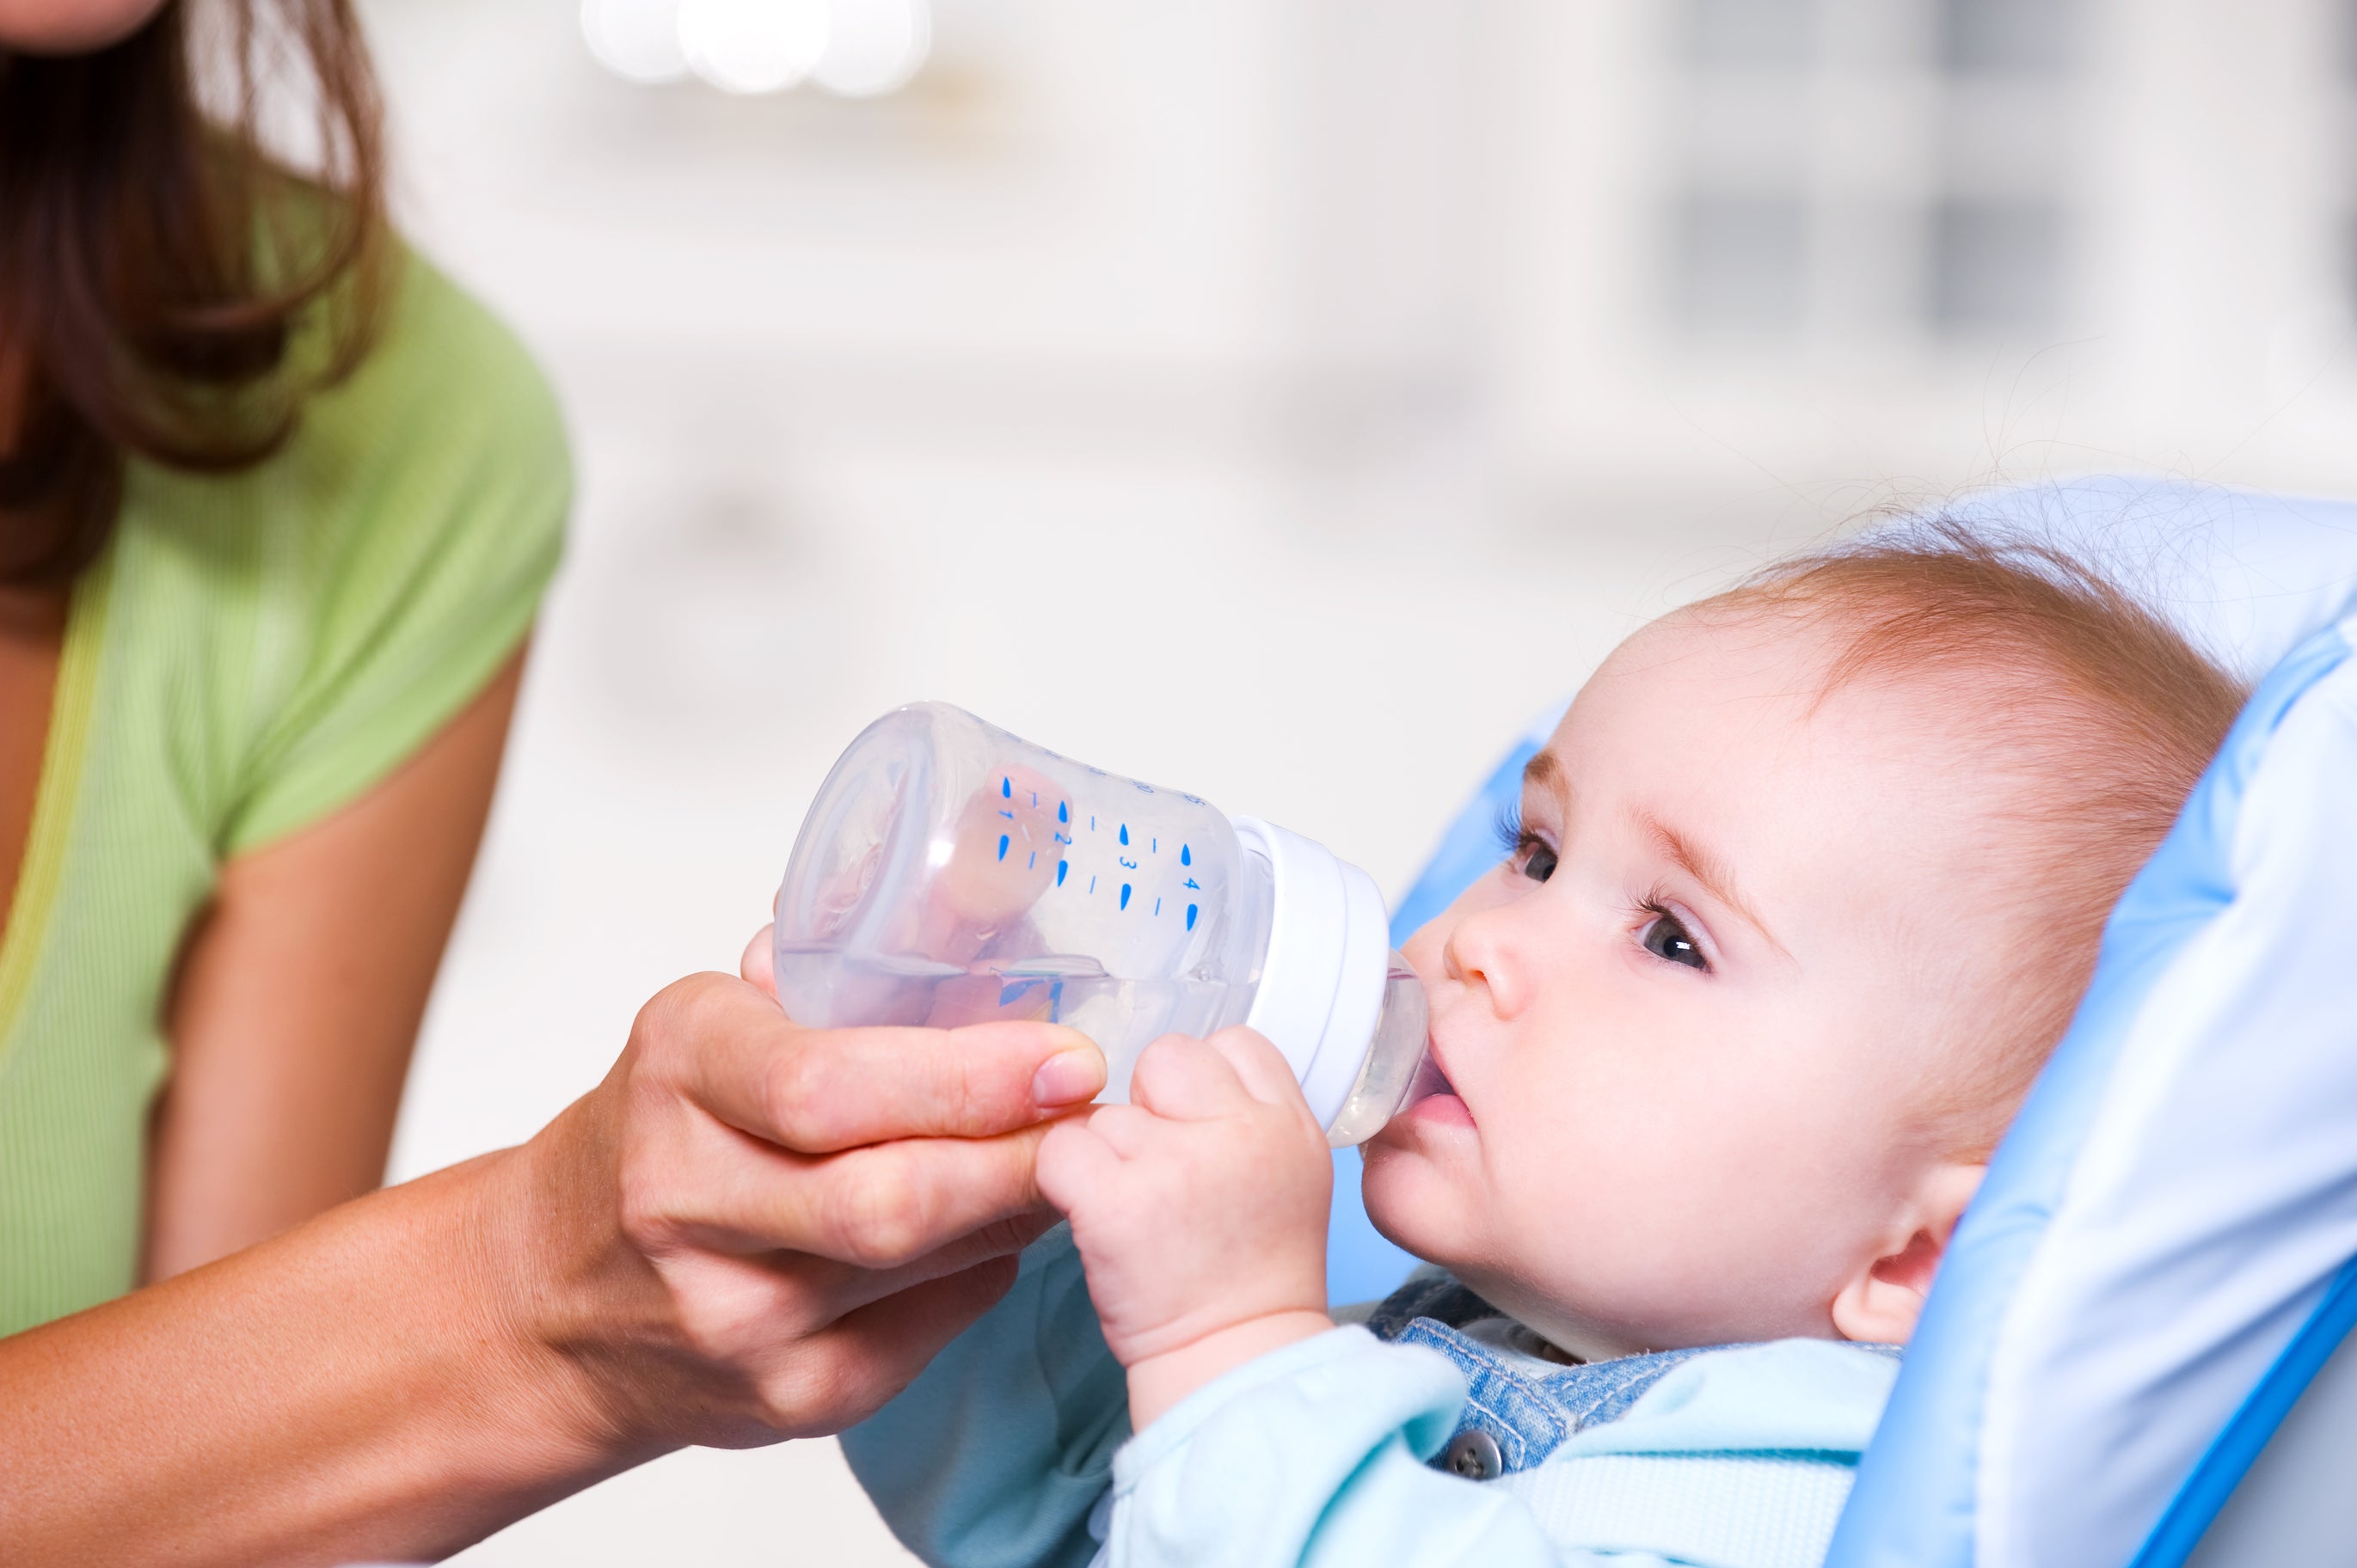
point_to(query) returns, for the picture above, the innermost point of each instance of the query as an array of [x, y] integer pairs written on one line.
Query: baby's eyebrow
[[1698, 861], [1544, 772]]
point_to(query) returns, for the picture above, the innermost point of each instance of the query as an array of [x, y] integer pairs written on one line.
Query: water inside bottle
[[826, 986]]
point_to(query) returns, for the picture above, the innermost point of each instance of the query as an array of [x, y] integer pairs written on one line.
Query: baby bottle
[[951, 874]]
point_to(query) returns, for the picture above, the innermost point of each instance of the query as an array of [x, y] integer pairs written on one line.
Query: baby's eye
[[1525, 850], [1666, 938], [1534, 857]]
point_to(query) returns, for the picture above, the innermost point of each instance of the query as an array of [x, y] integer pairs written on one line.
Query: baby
[[1801, 892]]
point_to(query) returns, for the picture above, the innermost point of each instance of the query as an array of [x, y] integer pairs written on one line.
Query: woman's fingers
[[870, 1354], [787, 1287], [729, 1048], [879, 1207], [887, 1206], [1005, 849], [759, 964], [999, 1238]]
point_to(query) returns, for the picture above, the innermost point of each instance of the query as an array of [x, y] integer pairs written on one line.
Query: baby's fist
[[1201, 1205]]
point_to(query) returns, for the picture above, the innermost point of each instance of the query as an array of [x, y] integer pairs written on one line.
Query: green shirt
[[250, 654]]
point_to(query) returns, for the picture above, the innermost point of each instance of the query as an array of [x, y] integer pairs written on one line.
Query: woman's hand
[[749, 1231], [768, 1230], [1199, 1210]]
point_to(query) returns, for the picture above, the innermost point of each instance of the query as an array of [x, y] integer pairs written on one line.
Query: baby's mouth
[[1430, 1095]]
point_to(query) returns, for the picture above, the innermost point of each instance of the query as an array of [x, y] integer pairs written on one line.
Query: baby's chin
[[1414, 1203], [1434, 1237]]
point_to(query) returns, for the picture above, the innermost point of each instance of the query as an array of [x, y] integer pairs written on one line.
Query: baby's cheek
[[1422, 949]]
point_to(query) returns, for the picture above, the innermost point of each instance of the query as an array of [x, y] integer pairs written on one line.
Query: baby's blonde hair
[[2050, 674]]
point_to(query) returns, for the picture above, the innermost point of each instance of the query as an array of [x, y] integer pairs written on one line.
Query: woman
[[276, 505]]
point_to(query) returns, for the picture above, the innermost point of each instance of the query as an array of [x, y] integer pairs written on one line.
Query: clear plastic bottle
[[950, 873]]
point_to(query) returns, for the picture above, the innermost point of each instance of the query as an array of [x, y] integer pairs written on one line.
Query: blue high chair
[[2133, 1356]]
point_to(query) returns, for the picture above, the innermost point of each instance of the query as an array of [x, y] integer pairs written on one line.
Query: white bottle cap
[[1322, 983]]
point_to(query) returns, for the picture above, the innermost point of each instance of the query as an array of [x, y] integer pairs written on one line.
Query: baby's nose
[[1476, 956]]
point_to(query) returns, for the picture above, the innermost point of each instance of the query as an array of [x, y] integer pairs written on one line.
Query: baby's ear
[[1880, 1303]]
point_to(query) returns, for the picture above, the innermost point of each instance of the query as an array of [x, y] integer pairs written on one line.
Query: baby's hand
[[1199, 1209]]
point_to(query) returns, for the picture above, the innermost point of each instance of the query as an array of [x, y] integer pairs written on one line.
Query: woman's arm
[[300, 995], [749, 1231]]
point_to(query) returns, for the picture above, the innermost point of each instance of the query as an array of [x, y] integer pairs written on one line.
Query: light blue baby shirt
[[1013, 1449]]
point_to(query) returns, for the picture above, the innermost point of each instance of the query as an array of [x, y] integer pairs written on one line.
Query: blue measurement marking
[[1032, 862], [1007, 788], [1190, 916], [1063, 810], [1008, 814], [1191, 883], [1158, 905], [1092, 824], [1061, 867], [1001, 846], [1124, 832], [1186, 855], [1034, 800], [1092, 883], [1154, 847], [1125, 895], [1128, 864], [1061, 838]]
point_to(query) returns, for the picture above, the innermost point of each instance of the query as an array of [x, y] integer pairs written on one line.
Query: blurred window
[[1997, 267], [1749, 32], [1741, 259], [1870, 174], [2348, 266], [2011, 36]]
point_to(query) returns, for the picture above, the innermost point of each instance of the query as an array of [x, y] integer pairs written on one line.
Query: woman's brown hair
[[169, 287]]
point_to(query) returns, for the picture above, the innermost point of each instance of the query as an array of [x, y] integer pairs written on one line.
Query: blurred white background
[[1279, 399]]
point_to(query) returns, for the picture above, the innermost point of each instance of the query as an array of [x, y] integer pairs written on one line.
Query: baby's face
[[1687, 1022]]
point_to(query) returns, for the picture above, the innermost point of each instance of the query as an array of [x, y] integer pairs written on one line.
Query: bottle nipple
[[1395, 1061]]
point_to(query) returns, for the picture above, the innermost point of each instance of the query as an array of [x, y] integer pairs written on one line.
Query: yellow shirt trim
[[58, 792]]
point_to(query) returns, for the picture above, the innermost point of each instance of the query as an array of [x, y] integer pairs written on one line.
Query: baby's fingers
[[1073, 1162], [1186, 1079], [1127, 1130], [1259, 1065]]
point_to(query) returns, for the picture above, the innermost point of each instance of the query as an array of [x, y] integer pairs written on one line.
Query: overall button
[[1474, 1455]]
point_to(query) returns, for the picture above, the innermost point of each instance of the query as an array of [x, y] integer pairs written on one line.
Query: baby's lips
[[1430, 1084], [1427, 1081]]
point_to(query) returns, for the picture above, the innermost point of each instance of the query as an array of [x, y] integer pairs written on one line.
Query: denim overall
[[1514, 1415]]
